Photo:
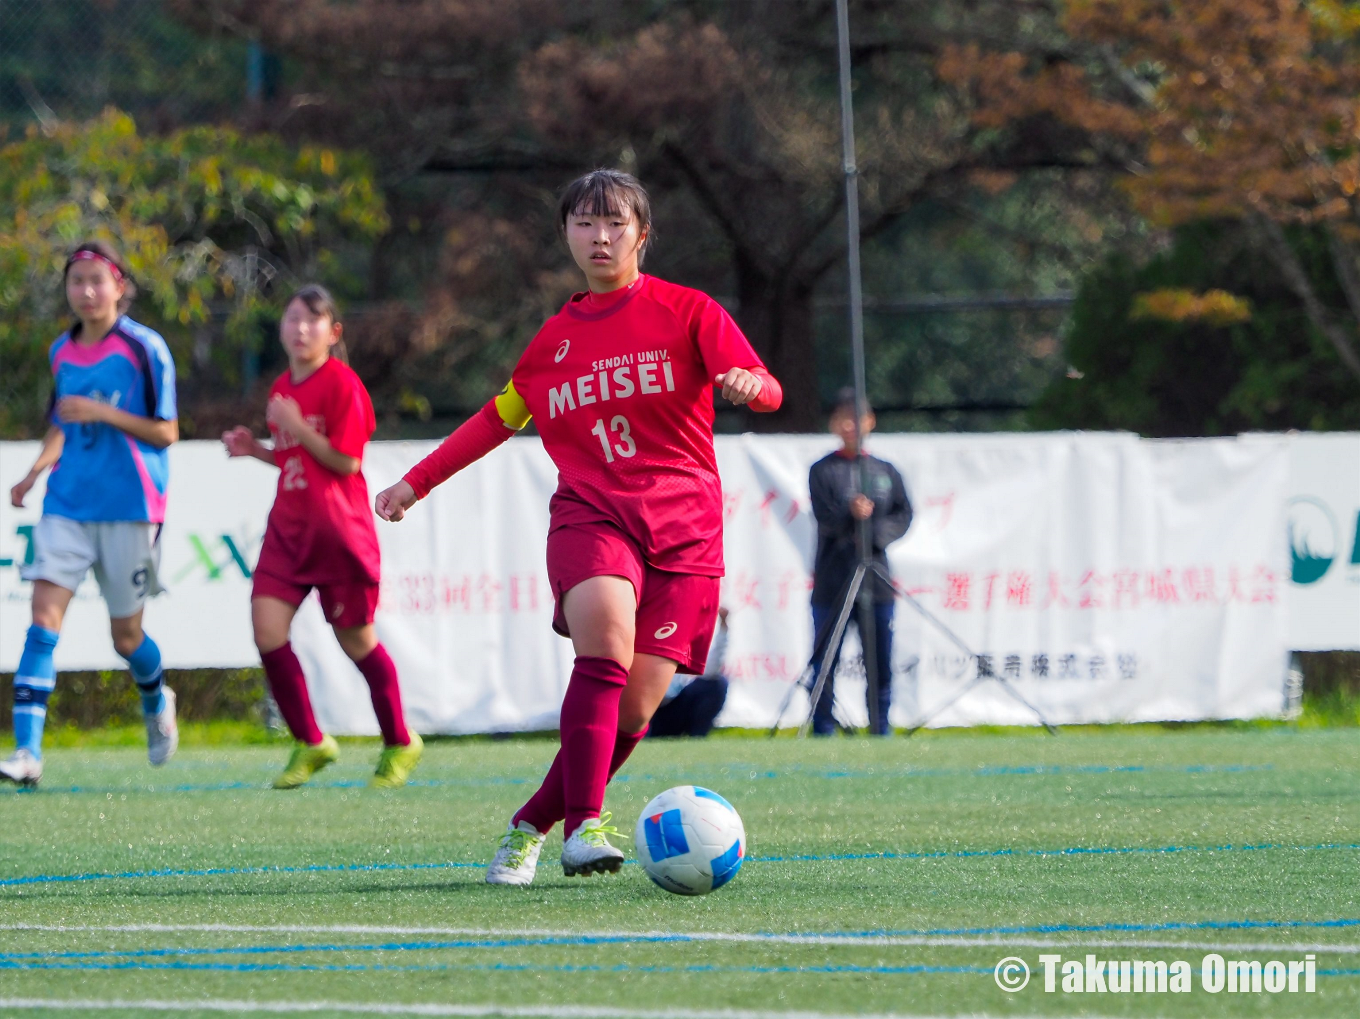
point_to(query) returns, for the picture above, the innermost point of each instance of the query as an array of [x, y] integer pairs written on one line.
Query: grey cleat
[[22, 768], [588, 850], [162, 731]]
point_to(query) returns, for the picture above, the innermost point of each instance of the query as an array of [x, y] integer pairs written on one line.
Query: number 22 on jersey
[[625, 446], [294, 474]]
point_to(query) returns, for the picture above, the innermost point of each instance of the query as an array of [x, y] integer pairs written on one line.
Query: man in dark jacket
[[838, 507]]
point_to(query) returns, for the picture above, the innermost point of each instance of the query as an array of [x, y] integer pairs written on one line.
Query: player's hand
[[739, 386], [392, 503], [284, 414], [17, 493], [239, 441], [80, 410], [861, 507]]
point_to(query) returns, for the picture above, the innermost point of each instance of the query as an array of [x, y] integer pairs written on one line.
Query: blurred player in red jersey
[[320, 535], [619, 384]]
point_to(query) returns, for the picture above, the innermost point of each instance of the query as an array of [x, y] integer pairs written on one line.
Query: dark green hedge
[[90, 700]]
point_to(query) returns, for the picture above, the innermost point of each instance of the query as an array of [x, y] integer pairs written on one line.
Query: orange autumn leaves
[[1233, 106], [1213, 307]]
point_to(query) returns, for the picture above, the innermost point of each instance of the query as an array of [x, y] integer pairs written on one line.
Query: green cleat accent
[[306, 761], [396, 764]]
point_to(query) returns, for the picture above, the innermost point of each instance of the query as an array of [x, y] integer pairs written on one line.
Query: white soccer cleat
[[588, 850], [162, 731], [22, 768], [516, 859]]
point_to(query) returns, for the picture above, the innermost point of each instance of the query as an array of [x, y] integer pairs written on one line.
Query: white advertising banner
[[1323, 527], [1106, 577]]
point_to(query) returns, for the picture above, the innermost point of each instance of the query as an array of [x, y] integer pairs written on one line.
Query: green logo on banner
[[205, 560], [24, 531], [1312, 539]]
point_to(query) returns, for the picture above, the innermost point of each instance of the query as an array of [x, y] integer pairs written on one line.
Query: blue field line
[[818, 939], [263, 785], [247, 967], [949, 854], [537, 941], [911, 970], [1342, 923], [732, 773], [316, 868], [963, 854]]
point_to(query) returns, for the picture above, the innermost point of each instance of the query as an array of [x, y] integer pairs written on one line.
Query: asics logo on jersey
[[338, 611], [562, 351], [666, 631]]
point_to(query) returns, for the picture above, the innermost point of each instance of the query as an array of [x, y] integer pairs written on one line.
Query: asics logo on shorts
[[338, 610], [562, 351], [666, 631]]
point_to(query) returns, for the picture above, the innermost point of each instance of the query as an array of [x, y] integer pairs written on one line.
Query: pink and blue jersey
[[104, 473]]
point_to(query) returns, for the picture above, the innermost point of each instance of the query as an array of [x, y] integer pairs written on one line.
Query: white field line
[[384, 1008], [1073, 940]]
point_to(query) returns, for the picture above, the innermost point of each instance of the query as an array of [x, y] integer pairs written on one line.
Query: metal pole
[[867, 635]]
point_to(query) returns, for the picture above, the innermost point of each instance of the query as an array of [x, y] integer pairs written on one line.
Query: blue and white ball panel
[[666, 835], [690, 840]]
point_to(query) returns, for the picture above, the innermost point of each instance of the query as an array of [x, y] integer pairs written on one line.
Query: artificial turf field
[[883, 877]]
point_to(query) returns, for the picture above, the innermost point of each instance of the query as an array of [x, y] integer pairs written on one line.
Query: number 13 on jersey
[[624, 447]]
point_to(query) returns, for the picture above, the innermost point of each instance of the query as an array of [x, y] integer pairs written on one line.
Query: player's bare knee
[[48, 617], [270, 622], [49, 604], [613, 644], [127, 635], [269, 636], [357, 642], [268, 640]]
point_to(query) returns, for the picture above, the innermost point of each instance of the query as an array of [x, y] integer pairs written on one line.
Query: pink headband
[[94, 256]]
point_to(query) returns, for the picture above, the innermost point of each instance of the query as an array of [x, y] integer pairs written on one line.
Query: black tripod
[[826, 644]]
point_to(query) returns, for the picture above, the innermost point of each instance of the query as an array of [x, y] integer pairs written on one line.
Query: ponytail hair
[[320, 302]]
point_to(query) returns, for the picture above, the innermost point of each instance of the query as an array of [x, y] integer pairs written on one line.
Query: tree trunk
[[1291, 268], [776, 315]]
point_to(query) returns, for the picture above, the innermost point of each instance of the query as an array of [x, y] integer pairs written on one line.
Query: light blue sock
[[33, 683], [145, 666]]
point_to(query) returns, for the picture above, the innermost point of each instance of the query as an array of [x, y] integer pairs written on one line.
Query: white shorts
[[124, 553]]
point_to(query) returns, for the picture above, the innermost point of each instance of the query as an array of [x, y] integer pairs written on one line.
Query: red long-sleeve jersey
[[620, 386]]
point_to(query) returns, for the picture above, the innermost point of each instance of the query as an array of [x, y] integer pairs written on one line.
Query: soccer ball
[[690, 840]]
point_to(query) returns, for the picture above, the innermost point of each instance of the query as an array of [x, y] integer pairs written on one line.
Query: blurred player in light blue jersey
[[113, 418]]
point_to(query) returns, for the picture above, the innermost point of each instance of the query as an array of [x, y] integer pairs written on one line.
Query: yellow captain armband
[[511, 407]]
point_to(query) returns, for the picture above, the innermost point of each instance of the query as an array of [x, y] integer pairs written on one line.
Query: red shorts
[[345, 605], [676, 611]]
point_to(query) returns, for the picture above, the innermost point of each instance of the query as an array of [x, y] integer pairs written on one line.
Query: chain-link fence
[[69, 59]]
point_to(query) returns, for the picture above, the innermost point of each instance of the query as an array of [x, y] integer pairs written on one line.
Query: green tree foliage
[[727, 109], [69, 59], [1149, 359], [208, 220]]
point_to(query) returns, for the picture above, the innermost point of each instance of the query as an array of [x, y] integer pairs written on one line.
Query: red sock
[[549, 805], [590, 719], [289, 687], [381, 674], [574, 785], [624, 744]]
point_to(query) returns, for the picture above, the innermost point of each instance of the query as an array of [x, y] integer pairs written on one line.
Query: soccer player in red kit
[[619, 383], [320, 535]]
